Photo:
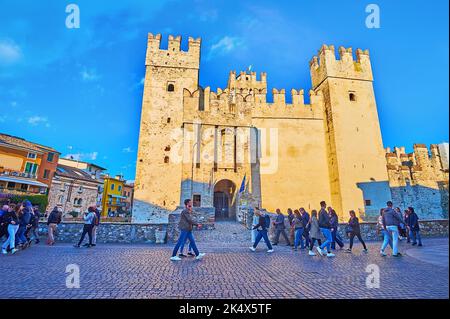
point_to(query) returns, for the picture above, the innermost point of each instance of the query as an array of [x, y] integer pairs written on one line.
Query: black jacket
[[54, 218], [9, 217], [324, 219], [353, 222]]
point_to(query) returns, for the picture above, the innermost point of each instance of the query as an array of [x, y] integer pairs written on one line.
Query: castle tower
[[356, 158], [158, 169]]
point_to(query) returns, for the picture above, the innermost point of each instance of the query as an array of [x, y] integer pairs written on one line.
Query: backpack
[[267, 221]]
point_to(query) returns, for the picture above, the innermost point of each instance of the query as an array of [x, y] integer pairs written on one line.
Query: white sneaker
[[270, 251], [383, 254], [252, 249], [200, 256], [13, 251], [311, 253], [330, 255], [175, 258], [4, 252], [319, 251]]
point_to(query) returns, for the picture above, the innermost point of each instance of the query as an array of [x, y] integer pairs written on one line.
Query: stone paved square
[[229, 270]]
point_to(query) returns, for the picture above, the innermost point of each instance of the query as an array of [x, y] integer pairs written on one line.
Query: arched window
[[75, 201], [170, 87], [352, 97], [80, 201]]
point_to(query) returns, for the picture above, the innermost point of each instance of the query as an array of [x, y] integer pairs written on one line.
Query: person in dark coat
[[24, 223], [353, 224], [290, 218], [186, 225], [11, 219], [280, 228], [262, 228], [334, 221], [52, 224], [305, 219], [414, 227]]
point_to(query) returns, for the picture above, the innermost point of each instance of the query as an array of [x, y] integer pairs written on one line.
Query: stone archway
[[224, 200]]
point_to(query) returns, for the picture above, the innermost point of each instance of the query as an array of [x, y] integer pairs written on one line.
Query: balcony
[[17, 174]]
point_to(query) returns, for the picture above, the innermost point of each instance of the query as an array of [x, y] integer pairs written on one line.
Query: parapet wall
[[173, 56], [326, 65]]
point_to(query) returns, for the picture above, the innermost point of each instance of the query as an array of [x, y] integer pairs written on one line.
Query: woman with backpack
[[299, 228], [262, 228], [354, 229], [89, 221]]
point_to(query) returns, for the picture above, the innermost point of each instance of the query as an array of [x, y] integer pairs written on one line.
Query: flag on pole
[[242, 184]]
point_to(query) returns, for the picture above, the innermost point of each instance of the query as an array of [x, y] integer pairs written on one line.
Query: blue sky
[[80, 90]]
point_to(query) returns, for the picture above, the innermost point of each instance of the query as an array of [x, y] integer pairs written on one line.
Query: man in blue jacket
[[24, 221]]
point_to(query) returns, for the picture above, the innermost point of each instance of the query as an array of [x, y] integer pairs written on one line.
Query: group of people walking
[[19, 223], [321, 227]]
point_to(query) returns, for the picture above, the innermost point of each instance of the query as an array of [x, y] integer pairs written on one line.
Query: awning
[[19, 180]]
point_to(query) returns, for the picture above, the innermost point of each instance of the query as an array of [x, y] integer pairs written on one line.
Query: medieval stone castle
[[200, 144]]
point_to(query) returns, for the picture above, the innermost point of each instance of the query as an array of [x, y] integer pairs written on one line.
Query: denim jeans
[[184, 235], [306, 236], [262, 234], [182, 247], [20, 235], [415, 236], [386, 236], [11, 240], [336, 239], [299, 238], [328, 238], [393, 232]]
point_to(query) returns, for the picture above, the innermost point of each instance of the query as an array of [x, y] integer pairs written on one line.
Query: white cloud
[[127, 150], [89, 75], [82, 156], [3, 119], [224, 45], [36, 120], [10, 52]]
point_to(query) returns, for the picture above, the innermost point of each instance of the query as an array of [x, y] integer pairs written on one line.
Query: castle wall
[[355, 148], [419, 179]]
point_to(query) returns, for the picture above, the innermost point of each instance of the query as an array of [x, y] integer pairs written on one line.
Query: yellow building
[[198, 143], [113, 201]]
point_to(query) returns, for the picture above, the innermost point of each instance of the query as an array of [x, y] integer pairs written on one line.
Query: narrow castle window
[[168, 120], [167, 148], [352, 97], [166, 159], [170, 87]]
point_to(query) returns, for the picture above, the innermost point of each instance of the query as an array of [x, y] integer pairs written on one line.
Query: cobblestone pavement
[[229, 270]]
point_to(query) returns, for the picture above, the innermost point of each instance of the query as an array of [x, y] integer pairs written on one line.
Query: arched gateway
[[224, 199]]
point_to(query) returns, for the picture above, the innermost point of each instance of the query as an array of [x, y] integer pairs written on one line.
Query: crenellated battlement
[[421, 166], [325, 64], [173, 56]]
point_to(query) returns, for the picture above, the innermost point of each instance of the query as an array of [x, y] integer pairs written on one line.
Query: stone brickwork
[[419, 179], [193, 138]]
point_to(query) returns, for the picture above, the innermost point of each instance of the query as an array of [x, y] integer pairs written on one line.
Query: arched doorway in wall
[[224, 204]]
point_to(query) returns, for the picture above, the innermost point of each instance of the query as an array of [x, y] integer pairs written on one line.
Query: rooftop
[[15, 141]]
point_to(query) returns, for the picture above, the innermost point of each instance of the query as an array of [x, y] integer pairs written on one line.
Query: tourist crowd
[[305, 230], [19, 224]]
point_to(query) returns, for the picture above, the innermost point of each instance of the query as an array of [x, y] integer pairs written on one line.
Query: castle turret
[[168, 73], [355, 149]]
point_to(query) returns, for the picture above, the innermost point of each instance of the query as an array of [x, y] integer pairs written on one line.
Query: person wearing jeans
[[325, 228], [10, 219], [391, 221], [280, 228], [334, 222], [382, 231], [89, 220], [299, 229], [185, 225], [262, 232], [414, 227]]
